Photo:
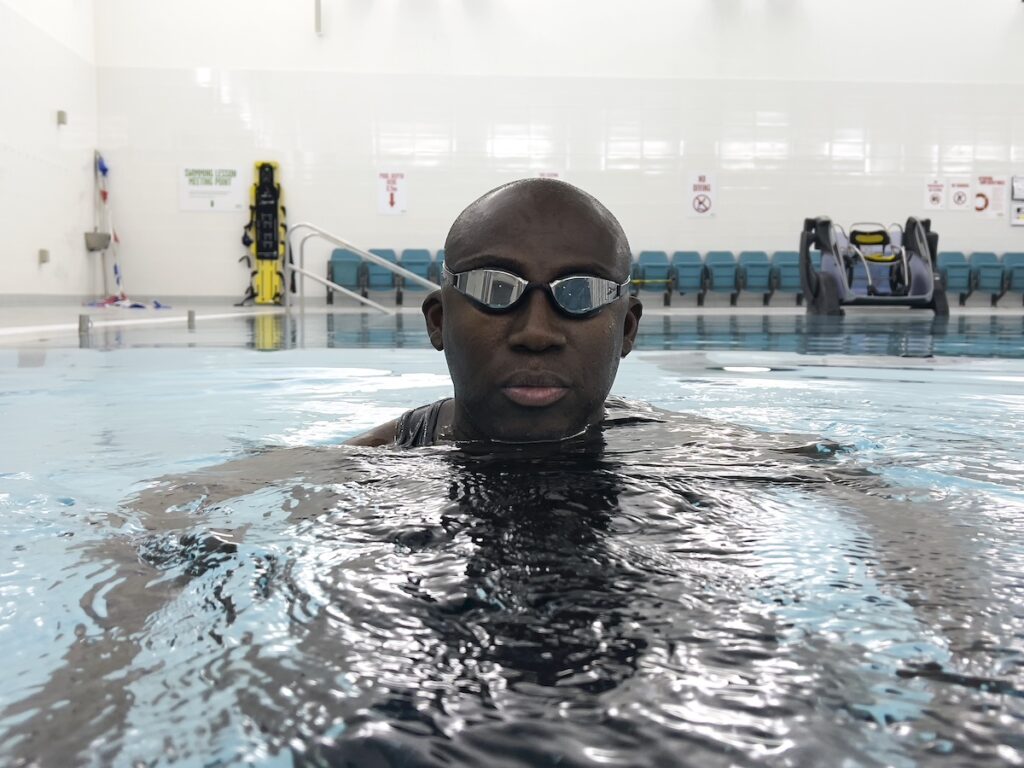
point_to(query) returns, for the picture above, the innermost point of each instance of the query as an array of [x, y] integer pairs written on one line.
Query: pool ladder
[[312, 231]]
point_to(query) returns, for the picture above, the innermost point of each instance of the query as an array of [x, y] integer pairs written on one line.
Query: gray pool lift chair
[[873, 266]]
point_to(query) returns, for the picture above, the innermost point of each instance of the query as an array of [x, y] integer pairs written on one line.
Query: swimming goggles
[[498, 291]]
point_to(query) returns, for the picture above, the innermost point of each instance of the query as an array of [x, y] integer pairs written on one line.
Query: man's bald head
[[533, 371], [506, 213]]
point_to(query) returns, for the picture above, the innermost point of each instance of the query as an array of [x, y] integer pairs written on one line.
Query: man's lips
[[534, 390], [535, 397]]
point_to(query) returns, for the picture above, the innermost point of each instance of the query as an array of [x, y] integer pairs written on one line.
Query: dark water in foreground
[[678, 593]]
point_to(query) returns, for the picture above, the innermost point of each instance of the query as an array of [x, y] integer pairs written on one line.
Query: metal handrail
[[340, 289], [316, 231]]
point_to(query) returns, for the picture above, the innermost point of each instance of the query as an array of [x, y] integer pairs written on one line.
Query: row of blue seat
[[983, 272], [753, 271], [719, 272], [688, 272], [349, 270]]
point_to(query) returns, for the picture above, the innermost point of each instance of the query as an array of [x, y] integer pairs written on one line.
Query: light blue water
[[905, 575]]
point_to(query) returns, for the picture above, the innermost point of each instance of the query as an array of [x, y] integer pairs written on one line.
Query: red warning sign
[[390, 192], [935, 194], [990, 196]]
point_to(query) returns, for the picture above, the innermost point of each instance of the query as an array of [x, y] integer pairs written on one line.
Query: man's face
[[531, 373]]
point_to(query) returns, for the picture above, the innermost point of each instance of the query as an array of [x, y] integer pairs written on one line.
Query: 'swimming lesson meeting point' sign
[[212, 188]]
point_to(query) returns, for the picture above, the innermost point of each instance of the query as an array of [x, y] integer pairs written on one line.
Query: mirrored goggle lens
[[491, 287], [576, 295]]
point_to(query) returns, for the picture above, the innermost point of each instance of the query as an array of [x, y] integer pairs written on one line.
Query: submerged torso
[[676, 591]]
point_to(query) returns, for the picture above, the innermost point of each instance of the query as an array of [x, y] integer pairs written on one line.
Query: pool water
[[814, 554]]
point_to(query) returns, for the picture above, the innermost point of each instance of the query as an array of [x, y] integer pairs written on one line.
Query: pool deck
[[28, 319]]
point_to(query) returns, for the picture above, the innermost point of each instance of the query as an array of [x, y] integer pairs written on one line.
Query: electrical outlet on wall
[[44, 255]]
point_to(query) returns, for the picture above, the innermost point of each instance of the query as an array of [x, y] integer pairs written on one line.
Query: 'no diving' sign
[[701, 195]]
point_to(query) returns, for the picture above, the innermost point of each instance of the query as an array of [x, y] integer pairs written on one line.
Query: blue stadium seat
[[437, 266], [956, 273], [1013, 271], [987, 274], [381, 278], [756, 274], [348, 270], [723, 276], [786, 273], [651, 272], [418, 261], [688, 270]]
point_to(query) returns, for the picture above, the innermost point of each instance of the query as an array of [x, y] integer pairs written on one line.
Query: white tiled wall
[[46, 64], [800, 107], [781, 151], [835, 40]]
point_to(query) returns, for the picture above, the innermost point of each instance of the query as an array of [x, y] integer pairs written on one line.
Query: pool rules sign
[[700, 195], [391, 188]]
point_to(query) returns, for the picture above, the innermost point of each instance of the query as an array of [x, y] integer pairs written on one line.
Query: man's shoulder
[[381, 435], [415, 428]]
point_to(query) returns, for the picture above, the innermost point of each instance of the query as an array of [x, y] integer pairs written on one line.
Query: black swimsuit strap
[[418, 427]]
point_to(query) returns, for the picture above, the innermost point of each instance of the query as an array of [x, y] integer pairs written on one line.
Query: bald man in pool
[[533, 315]]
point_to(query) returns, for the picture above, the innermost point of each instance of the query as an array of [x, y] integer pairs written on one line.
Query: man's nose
[[536, 325]]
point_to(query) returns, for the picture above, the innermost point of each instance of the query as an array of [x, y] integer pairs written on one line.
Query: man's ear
[[631, 324], [433, 313]]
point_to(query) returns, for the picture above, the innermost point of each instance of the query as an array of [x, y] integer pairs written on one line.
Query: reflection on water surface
[[679, 592], [900, 335]]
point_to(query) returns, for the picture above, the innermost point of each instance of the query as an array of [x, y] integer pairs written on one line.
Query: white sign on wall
[[1017, 215], [700, 195], [990, 196], [935, 195], [213, 188], [960, 194], [391, 192], [549, 174]]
